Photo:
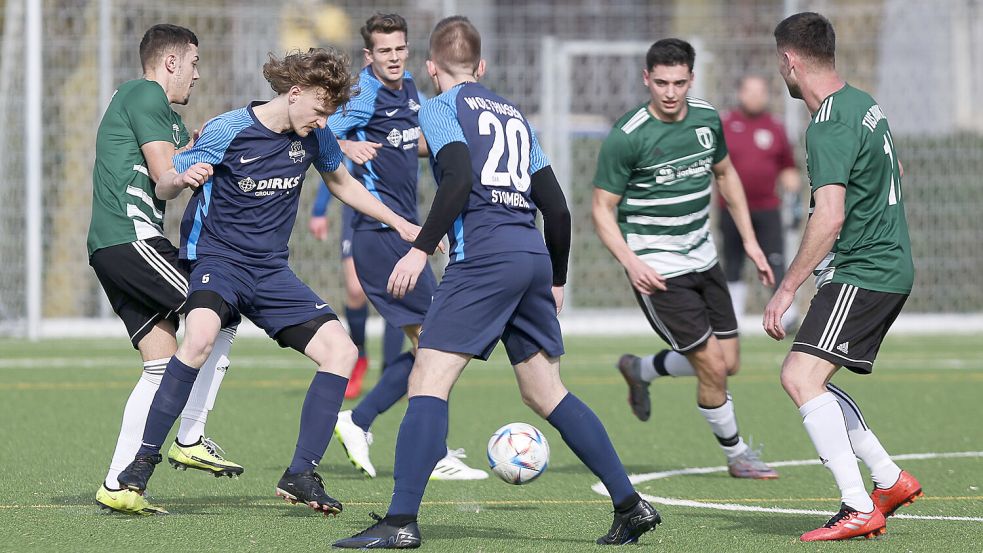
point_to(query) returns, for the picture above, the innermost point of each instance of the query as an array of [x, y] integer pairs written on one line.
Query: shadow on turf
[[766, 523]]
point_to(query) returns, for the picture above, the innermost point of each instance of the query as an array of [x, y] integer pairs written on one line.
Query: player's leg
[[843, 327], [420, 444], [393, 339], [356, 314], [325, 342], [733, 261], [893, 487]]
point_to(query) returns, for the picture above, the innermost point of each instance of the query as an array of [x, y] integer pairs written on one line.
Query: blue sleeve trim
[[215, 138], [537, 157], [438, 121], [329, 156], [358, 111]]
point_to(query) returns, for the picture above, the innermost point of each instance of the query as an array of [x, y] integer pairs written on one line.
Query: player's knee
[[340, 354], [733, 369], [795, 381], [354, 296], [195, 349]]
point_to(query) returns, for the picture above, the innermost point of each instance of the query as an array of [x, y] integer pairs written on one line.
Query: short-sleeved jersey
[[760, 151], [849, 143], [500, 215], [247, 209], [391, 118], [663, 172], [125, 207]]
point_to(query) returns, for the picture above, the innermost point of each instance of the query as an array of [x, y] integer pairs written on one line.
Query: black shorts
[[693, 307], [768, 229], [846, 324], [145, 282]]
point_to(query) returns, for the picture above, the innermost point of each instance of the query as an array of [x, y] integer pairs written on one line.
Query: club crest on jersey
[[395, 137], [176, 134], [763, 139], [247, 184], [413, 105], [296, 152], [705, 136]]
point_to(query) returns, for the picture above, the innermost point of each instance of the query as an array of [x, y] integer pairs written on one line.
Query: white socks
[[883, 471], [666, 363], [723, 422], [135, 419], [202, 398], [826, 425]]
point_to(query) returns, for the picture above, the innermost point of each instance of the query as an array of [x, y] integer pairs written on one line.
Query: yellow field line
[[483, 502]]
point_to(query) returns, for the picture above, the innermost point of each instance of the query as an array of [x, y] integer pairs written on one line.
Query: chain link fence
[[918, 60]]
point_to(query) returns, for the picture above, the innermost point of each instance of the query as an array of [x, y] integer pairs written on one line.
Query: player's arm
[[344, 187], [168, 181], [732, 191], [421, 147], [549, 198], [318, 224], [820, 234], [359, 151], [643, 278]]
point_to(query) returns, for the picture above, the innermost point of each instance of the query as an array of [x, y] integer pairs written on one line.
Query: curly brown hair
[[323, 68]]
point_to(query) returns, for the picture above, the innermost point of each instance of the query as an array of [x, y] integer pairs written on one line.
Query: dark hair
[[323, 68], [384, 23], [809, 35], [670, 51], [455, 44], [162, 38]]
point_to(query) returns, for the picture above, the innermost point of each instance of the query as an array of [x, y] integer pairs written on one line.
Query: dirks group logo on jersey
[[296, 152], [268, 187], [705, 136], [397, 137]]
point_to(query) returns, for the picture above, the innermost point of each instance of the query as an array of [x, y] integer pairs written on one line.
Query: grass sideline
[[60, 403]]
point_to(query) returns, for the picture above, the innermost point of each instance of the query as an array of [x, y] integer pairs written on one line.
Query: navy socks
[[169, 401], [390, 389], [422, 441], [356, 326], [317, 419]]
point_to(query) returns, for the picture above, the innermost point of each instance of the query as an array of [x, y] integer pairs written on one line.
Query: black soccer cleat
[[631, 524], [638, 390], [308, 488], [136, 474], [384, 535]]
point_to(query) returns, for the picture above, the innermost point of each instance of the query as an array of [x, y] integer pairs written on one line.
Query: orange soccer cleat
[[849, 523], [354, 388], [904, 492]]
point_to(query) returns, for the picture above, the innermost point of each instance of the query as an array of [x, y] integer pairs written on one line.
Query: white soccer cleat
[[356, 443], [451, 467]]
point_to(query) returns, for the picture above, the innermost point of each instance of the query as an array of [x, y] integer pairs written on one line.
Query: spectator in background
[[763, 157]]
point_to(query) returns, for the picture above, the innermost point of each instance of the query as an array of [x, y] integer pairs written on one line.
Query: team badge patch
[[248, 184], [413, 105], [296, 152], [705, 136], [395, 138]]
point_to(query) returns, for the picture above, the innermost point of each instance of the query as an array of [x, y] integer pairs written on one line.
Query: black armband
[[548, 196], [454, 175]]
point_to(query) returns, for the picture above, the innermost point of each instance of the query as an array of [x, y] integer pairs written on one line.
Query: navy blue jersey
[[500, 215], [247, 209], [388, 117]]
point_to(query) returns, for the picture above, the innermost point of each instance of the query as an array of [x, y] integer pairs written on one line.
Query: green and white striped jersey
[[663, 172], [125, 207]]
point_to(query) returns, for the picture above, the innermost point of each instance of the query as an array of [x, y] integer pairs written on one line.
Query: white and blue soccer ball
[[518, 453]]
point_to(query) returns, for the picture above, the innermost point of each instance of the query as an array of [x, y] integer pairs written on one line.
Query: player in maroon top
[[763, 158]]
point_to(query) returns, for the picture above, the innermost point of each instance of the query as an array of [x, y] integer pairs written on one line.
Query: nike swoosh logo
[[320, 305], [244, 160], [391, 113]]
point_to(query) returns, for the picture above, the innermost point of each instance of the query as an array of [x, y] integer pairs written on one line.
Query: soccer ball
[[518, 453]]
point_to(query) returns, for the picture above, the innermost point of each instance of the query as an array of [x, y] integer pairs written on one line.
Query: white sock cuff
[[154, 364], [817, 402]]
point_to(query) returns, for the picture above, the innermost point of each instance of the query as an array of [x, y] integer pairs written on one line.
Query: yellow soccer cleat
[[204, 455], [126, 501]]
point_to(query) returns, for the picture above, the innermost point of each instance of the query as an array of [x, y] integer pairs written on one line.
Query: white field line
[[648, 477]]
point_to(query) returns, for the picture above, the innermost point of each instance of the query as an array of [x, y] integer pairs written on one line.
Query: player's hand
[[318, 227], [402, 281], [360, 152], [754, 253], [196, 175], [558, 298], [776, 308], [644, 278], [408, 231]]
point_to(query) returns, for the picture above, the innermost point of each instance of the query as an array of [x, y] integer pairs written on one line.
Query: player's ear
[[645, 78], [171, 62], [480, 71], [293, 94], [432, 69], [367, 55]]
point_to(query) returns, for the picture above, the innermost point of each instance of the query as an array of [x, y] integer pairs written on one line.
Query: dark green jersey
[[124, 205], [849, 143], [663, 172]]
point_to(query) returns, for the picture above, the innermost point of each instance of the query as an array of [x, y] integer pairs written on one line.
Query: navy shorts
[[504, 296], [376, 252], [271, 297]]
